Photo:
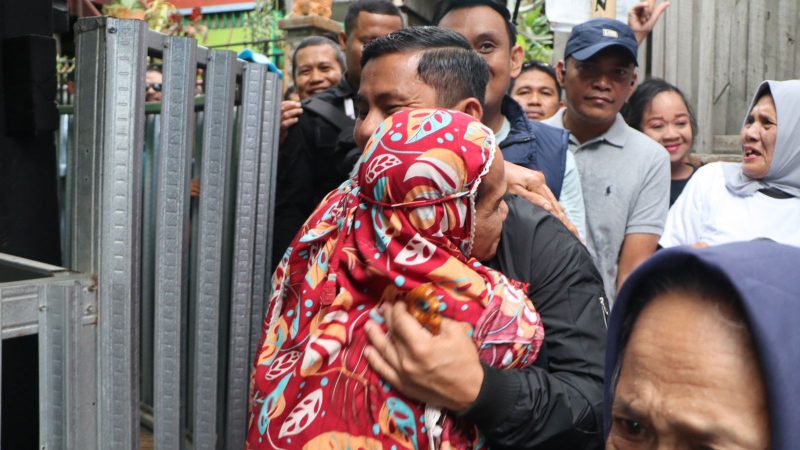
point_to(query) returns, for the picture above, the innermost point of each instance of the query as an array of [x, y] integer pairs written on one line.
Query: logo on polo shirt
[[607, 32]]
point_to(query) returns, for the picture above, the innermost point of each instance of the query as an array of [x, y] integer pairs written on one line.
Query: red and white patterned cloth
[[406, 219]]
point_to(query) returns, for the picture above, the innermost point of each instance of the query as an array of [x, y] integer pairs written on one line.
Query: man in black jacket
[[319, 151], [556, 403]]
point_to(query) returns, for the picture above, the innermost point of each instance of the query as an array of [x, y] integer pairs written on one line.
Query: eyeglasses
[[155, 86], [536, 64]]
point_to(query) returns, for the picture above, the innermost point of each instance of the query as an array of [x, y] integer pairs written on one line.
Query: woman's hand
[[531, 185], [642, 18], [442, 370], [290, 113]]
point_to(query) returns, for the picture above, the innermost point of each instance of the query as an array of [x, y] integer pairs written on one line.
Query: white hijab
[[784, 172]]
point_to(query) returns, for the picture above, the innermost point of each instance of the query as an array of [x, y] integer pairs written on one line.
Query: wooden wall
[[718, 51]]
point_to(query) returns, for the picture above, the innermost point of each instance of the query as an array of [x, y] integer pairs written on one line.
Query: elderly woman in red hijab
[[425, 205]]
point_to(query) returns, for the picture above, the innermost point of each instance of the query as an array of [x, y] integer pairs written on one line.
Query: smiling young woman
[[659, 110]]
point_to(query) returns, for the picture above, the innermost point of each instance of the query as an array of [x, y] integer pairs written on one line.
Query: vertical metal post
[[83, 171], [249, 141], [262, 268], [172, 219], [106, 200], [218, 123], [64, 422], [84, 369], [54, 340]]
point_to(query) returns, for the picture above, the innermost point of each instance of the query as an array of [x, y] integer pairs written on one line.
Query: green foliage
[[158, 14], [131, 4], [262, 23], [533, 29]]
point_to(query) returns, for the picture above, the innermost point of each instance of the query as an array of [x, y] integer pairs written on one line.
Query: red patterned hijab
[[403, 227]]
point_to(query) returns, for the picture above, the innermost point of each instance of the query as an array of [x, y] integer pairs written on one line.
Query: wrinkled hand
[[290, 113], [530, 185], [442, 370], [642, 18]]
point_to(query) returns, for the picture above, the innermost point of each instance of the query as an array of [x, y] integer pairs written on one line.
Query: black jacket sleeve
[[294, 197], [313, 160], [557, 402]]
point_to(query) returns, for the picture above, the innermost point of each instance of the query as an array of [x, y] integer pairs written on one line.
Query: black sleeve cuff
[[499, 392]]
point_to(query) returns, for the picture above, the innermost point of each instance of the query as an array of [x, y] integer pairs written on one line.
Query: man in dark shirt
[[556, 403], [319, 151]]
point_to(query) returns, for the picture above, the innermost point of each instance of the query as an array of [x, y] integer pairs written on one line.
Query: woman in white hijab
[[758, 198]]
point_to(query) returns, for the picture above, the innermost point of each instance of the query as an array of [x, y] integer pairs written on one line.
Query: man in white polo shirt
[[624, 174]]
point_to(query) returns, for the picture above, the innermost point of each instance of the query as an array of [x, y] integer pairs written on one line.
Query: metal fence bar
[[84, 369], [274, 109], [120, 233], [59, 307], [220, 84], [172, 219], [262, 269], [83, 173], [249, 142], [54, 343], [65, 422]]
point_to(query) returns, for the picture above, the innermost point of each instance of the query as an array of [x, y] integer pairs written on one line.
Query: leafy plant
[[133, 5], [533, 29], [158, 14], [261, 20], [161, 15], [125, 9], [190, 26]]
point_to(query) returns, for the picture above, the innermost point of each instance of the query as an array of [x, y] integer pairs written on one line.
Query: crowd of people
[[471, 249]]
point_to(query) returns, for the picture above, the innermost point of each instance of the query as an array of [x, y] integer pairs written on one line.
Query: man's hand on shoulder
[[442, 370], [531, 185]]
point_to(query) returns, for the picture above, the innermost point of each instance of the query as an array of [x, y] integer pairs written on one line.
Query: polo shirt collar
[[617, 135]]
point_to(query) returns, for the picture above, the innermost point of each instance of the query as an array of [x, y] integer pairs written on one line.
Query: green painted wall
[[229, 31]]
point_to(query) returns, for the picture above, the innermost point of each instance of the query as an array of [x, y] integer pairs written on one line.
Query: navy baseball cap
[[598, 34]]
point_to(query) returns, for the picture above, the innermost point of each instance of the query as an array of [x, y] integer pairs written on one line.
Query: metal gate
[[208, 309]]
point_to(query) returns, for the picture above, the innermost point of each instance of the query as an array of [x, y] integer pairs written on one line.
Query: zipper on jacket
[[604, 307]]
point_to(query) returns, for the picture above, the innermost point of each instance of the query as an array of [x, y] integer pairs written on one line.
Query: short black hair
[[633, 110], [446, 6], [448, 62], [534, 65], [313, 41], [384, 7]]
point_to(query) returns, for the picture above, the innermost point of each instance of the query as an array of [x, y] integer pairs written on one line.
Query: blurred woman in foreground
[[702, 350]]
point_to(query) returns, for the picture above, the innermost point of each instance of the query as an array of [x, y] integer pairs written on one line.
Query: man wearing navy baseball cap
[[624, 174]]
